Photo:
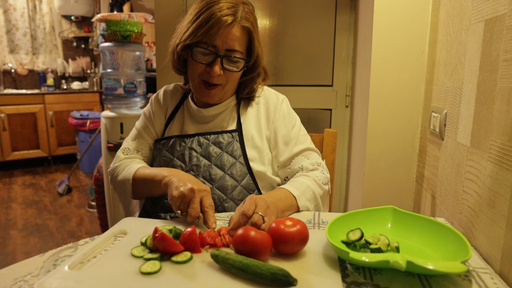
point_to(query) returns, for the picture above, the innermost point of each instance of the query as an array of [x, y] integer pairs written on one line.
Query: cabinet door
[[61, 134], [23, 132], [1, 150], [298, 40]]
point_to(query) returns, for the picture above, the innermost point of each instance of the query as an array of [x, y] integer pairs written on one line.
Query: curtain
[[28, 36]]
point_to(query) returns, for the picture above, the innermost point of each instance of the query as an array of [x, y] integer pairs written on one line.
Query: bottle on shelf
[[50, 81], [153, 55]]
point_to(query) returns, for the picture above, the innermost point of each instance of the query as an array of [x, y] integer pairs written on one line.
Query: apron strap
[[244, 151], [175, 111]]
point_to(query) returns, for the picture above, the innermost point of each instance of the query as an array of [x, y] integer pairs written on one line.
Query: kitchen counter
[[26, 273], [12, 92]]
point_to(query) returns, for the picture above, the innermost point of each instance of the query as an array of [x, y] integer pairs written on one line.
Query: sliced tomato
[[227, 239], [190, 241], [212, 239], [164, 243], [202, 239]]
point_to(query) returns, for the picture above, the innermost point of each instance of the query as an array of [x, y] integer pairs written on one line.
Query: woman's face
[[212, 84]]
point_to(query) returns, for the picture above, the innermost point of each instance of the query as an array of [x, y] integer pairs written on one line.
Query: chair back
[[326, 144]]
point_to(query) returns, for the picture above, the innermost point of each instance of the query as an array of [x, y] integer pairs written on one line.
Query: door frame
[[336, 98]]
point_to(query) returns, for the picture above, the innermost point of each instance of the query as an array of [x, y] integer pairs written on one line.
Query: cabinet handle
[[3, 122], [51, 119]]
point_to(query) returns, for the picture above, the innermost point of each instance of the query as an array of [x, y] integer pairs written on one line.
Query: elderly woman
[[221, 141]]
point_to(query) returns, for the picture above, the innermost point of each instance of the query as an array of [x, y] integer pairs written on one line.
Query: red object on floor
[[99, 196]]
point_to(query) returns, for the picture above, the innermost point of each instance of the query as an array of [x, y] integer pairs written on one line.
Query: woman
[[221, 141]]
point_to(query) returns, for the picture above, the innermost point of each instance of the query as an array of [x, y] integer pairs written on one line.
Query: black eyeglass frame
[[192, 47]]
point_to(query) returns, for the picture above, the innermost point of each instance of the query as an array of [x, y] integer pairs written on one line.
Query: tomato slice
[[190, 241], [164, 243], [227, 239], [212, 239], [202, 239]]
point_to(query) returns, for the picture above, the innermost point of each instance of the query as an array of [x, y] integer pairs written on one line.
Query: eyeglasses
[[207, 57]]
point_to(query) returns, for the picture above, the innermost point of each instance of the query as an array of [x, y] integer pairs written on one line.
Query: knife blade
[[200, 223]]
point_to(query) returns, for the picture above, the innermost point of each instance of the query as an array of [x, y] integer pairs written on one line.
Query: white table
[[26, 273]]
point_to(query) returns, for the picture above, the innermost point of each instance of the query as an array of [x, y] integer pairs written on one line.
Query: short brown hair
[[203, 23]]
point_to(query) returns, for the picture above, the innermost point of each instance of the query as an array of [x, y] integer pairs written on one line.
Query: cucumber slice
[[372, 244], [176, 233], [172, 231], [139, 251], [168, 227], [361, 244], [355, 235], [149, 243], [383, 242], [345, 241], [394, 246], [372, 239], [150, 267], [182, 258], [143, 240], [375, 248], [152, 256]]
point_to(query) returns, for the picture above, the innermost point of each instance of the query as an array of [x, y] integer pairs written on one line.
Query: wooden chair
[[326, 144]]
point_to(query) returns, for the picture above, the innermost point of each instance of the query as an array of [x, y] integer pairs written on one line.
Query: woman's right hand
[[184, 191], [190, 196]]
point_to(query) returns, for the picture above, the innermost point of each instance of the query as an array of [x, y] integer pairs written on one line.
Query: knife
[[200, 223]]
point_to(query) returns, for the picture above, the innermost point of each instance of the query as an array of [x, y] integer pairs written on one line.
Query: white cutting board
[[107, 263]]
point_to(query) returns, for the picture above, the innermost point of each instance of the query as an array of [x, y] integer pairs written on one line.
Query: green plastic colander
[[427, 246]]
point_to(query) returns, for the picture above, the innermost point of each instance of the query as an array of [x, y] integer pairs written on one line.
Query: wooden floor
[[34, 217]]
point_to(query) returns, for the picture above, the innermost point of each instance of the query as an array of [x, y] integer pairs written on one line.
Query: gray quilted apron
[[218, 159]]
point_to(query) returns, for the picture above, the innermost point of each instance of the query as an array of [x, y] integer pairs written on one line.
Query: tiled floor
[[34, 217]]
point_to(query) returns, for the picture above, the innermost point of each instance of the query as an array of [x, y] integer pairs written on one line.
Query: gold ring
[[181, 214], [262, 216]]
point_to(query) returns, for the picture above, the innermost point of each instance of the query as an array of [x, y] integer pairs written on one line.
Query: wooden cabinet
[[34, 126], [23, 131], [58, 107]]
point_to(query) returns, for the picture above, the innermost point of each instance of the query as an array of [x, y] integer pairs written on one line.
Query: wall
[[395, 100], [467, 178]]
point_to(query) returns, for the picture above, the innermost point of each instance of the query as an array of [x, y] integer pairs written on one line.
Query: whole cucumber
[[252, 269]]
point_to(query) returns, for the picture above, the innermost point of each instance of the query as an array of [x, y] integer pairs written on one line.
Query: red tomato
[[289, 235], [202, 239], [253, 243], [190, 241], [212, 239], [224, 236], [164, 243], [215, 239]]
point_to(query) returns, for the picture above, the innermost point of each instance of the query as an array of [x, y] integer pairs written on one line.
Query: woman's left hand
[[259, 211], [245, 214]]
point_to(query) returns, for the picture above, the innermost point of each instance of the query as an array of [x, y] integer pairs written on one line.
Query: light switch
[[434, 122], [438, 121]]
